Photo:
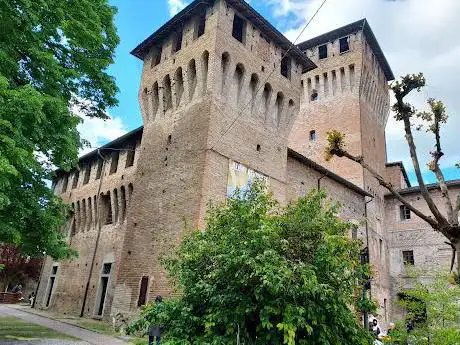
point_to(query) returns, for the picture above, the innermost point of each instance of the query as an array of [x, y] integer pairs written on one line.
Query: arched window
[[167, 97], [253, 85], [224, 66], [239, 76]]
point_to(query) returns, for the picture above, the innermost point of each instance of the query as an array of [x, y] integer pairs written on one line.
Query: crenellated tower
[[219, 89], [349, 92]]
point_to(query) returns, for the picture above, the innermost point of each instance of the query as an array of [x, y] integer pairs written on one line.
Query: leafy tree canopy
[[53, 57], [281, 275], [432, 310]]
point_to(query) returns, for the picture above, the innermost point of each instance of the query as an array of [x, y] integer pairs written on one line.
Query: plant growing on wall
[[447, 222], [53, 57], [263, 274]]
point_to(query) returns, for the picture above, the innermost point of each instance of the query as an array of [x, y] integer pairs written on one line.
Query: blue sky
[[400, 27]]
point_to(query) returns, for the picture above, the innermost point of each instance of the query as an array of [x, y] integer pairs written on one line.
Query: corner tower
[[219, 90], [349, 92]]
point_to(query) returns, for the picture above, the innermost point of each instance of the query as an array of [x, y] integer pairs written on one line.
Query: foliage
[[434, 310], [17, 267], [53, 57], [281, 275], [336, 144]]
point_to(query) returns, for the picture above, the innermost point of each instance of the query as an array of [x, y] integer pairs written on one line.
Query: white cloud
[[175, 6], [416, 36], [98, 132]]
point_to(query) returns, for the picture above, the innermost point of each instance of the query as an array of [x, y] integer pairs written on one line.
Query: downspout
[[99, 227], [365, 315], [319, 180]]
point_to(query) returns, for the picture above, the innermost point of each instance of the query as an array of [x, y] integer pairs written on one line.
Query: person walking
[[155, 329]]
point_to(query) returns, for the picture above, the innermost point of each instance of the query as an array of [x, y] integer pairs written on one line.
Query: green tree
[[53, 58], [433, 308], [446, 221], [275, 275]]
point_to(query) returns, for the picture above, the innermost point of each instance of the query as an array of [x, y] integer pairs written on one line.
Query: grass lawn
[[106, 328], [12, 328]]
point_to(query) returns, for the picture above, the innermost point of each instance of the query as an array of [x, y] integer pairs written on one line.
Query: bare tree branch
[[438, 116], [387, 185], [404, 112]]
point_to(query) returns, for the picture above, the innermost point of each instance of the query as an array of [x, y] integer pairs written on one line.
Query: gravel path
[[87, 336]]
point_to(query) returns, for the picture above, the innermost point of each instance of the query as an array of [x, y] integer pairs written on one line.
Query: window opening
[[99, 169], [314, 96], [143, 291], [408, 257], [76, 176], [87, 174], [51, 281], [65, 183], [322, 51], [131, 152], [114, 163], [286, 67], [104, 282], [200, 25], [156, 56], [344, 45], [312, 135], [404, 212], [178, 41], [239, 28]]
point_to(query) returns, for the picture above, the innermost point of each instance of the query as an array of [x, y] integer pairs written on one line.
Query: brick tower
[[207, 103], [349, 92]]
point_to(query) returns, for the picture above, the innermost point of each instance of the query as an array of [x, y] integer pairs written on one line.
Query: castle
[[225, 97]]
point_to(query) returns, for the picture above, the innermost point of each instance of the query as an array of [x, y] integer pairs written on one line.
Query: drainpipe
[[319, 180], [99, 227], [365, 315]]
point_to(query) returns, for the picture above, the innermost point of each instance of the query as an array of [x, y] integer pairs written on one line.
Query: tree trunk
[[457, 250]]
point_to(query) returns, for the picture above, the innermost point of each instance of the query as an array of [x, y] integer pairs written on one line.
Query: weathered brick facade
[[215, 90]]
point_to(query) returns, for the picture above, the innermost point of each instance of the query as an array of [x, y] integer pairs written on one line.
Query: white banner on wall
[[240, 177]]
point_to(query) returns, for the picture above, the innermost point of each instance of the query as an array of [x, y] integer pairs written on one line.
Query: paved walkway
[[89, 337]]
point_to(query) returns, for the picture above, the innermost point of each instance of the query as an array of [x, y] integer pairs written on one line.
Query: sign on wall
[[240, 177]]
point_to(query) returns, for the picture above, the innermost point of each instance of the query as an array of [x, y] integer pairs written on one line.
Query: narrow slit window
[[312, 135], [344, 45], [106, 202], [239, 28], [167, 93], [314, 96], [191, 75], [179, 85], [325, 84]]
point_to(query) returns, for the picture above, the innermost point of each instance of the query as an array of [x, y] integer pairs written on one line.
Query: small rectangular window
[[143, 291], [404, 212], [312, 135], [87, 174], [408, 257], [54, 270], [344, 46], [177, 44], [114, 163], [200, 25], [322, 51], [130, 156], [286, 67], [76, 176], [99, 169], [239, 28]]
